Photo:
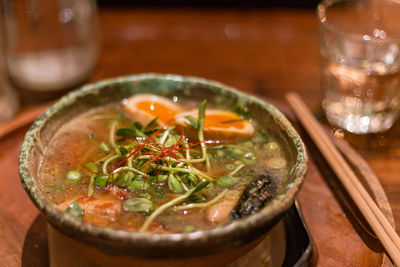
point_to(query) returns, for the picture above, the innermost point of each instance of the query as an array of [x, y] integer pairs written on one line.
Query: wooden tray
[[341, 236]]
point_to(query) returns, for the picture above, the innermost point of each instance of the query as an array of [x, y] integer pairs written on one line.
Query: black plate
[[300, 250]]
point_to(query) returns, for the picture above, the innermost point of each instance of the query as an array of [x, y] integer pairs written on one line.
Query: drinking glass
[[360, 49], [50, 45]]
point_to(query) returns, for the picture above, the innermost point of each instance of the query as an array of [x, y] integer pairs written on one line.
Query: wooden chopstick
[[374, 216], [24, 118]]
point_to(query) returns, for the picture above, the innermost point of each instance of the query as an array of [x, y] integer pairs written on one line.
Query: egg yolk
[[224, 120], [164, 113]]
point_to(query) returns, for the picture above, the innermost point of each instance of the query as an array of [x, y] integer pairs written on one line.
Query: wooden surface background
[[266, 52]]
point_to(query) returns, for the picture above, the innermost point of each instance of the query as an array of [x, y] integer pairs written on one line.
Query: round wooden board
[[261, 51]]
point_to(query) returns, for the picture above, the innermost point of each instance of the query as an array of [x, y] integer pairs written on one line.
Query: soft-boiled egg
[[145, 107], [218, 124]]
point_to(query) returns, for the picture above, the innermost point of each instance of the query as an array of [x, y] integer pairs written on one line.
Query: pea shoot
[[101, 180]]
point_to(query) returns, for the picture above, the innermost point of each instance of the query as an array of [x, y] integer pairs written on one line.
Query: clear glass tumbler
[[50, 45], [360, 49]]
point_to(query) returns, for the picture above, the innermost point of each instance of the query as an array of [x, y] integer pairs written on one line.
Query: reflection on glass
[[50, 45]]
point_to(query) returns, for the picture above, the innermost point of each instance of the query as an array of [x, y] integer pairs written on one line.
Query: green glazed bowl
[[162, 246]]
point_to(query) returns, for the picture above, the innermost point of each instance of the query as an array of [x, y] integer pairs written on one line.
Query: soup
[[149, 164]]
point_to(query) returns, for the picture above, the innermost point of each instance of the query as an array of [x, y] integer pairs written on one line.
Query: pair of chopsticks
[[374, 216]]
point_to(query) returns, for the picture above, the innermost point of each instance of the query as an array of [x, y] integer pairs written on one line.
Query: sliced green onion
[[75, 210], [73, 176], [272, 146]]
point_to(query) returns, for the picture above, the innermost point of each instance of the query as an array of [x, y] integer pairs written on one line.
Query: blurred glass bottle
[[9, 102], [50, 45]]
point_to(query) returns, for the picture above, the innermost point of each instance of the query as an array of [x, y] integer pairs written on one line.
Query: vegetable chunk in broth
[[197, 167]]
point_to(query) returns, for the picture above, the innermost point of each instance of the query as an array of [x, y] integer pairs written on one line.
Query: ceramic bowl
[[233, 239]]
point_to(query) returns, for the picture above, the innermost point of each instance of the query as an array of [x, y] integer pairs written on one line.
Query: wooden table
[[266, 52]]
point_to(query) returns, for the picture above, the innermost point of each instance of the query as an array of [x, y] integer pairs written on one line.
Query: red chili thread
[[164, 151], [117, 165]]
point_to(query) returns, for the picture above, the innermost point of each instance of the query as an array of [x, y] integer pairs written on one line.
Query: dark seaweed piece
[[254, 197]]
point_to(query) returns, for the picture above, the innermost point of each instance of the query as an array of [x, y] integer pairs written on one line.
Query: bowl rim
[[277, 206]]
